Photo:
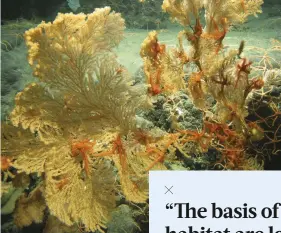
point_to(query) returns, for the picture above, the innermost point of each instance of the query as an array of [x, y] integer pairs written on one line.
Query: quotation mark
[[170, 206]]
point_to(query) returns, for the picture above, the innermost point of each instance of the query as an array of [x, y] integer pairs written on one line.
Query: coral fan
[[71, 118], [77, 126], [220, 85]]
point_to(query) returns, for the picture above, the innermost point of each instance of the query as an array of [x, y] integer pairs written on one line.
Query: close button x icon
[[169, 190]]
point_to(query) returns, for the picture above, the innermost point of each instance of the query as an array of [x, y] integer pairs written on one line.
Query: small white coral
[[272, 77], [73, 4]]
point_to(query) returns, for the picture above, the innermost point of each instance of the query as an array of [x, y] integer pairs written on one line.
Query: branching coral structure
[[71, 124], [77, 126], [221, 83]]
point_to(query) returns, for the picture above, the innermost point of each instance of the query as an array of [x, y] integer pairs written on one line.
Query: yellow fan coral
[[163, 68], [70, 119], [182, 10], [73, 57], [218, 75], [78, 122]]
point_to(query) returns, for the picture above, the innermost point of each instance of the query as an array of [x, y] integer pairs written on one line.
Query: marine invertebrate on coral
[[221, 78], [152, 52], [72, 117], [79, 121], [265, 57], [77, 125], [163, 68]]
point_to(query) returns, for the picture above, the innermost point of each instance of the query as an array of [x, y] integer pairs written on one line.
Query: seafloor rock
[[15, 74], [11, 40], [273, 78], [12, 33], [265, 109], [137, 14], [8, 200], [274, 10], [123, 220], [158, 116], [182, 112], [10, 227], [174, 112], [53, 225]]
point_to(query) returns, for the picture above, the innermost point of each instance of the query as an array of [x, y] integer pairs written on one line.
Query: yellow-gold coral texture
[[77, 126], [82, 99]]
